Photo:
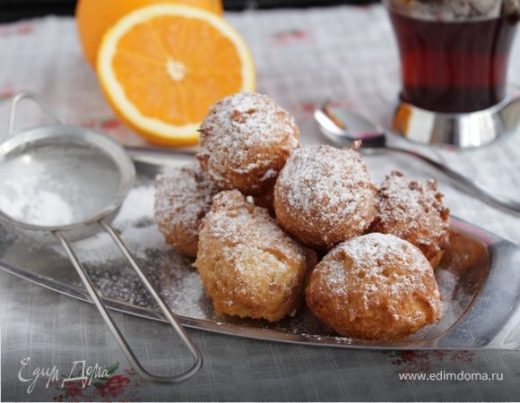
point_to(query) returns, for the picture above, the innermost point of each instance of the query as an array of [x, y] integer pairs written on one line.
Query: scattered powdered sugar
[[124, 285], [137, 208], [170, 274], [182, 290], [135, 224], [453, 305], [99, 249], [244, 133]]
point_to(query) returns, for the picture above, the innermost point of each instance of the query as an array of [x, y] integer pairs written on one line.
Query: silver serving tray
[[479, 280]]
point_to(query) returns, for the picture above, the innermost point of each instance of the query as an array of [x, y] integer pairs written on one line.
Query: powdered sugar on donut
[[379, 270], [248, 265], [413, 211], [183, 196], [249, 119], [246, 134], [371, 256], [326, 188], [238, 222]]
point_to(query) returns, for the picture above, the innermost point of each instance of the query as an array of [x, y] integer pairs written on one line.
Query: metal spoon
[[342, 127]]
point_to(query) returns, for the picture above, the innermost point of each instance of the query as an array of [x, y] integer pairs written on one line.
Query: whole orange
[[94, 17]]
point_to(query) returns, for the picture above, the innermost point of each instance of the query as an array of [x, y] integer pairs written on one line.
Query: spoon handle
[[480, 191]]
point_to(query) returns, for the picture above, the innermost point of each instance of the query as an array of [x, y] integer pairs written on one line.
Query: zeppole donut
[[375, 286], [182, 198], [324, 195], [245, 140], [249, 267], [415, 212]]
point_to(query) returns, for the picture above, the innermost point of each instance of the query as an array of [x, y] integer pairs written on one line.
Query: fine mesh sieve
[[60, 183]]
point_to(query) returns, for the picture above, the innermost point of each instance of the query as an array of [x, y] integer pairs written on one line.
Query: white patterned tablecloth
[[346, 54]]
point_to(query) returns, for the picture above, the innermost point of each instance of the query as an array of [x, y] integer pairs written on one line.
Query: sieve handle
[[11, 129], [123, 344]]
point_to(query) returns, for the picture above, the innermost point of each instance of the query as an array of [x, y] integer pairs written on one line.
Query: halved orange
[[161, 67], [94, 17]]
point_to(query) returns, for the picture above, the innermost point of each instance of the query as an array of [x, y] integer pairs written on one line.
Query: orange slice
[[93, 18], [161, 67]]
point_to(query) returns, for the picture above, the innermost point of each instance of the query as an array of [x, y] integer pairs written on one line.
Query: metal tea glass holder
[[458, 130]]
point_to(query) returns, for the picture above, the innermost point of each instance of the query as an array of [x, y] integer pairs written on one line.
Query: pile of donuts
[[272, 223]]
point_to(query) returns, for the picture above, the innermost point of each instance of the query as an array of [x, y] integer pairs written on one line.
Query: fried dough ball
[[375, 286], [249, 267], [182, 198], [245, 141], [415, 212], [324, 195]]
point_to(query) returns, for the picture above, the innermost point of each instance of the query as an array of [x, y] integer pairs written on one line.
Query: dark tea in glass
[[453, 60]]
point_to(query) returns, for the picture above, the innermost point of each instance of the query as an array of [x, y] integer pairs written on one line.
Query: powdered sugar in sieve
[[57, 185]]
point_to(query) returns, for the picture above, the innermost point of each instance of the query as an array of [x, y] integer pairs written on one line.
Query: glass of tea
[[454, 53]]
